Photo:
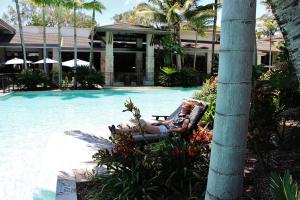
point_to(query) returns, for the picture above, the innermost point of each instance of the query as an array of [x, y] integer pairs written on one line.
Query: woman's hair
[[191, 104]]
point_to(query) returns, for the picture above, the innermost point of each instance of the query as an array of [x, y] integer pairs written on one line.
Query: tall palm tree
[[214, 35], [287, 15], [267, 26], [43, 4], [226, 169], [95, 6], [21, 34], [198, 23], [166, 12]]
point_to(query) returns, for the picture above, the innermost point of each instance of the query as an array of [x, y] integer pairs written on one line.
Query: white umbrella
[[48, 60], [80, 63], [16, 61]]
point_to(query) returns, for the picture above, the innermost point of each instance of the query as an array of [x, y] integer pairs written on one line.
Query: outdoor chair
[[195, 116]]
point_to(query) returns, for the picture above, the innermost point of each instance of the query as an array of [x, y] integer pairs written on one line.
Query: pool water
[[28, 121]]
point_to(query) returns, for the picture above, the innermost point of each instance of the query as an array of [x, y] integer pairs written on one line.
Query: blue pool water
[[29, 119]]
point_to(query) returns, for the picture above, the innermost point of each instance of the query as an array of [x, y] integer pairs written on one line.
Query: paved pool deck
[[73, 152]]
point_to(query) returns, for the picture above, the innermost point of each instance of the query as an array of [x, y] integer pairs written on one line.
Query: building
[[127, 54]]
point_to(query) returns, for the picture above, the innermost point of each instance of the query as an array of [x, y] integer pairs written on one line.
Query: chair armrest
[[158, 116]]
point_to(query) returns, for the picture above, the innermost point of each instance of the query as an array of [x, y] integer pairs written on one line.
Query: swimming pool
[[29, 122]]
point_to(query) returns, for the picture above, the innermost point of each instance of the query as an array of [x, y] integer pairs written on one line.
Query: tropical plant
[[43, 4], [190, 77], [284, 188], [93, 5], [30, 79], [170, 46], [208, 94], [169, 77], [21, 33], [88, 78], [213, 43], [199, 23], [226, 170]]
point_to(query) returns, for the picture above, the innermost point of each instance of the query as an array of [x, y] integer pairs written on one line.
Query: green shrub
[[208, 94], [169, 169], [189, 77], [169, 77], [88, 78], [30, 79], [283, 188]]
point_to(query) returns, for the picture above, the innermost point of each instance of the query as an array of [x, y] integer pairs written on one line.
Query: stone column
[[259, 59], [208, 63], [149, 61], [109, 58], [139, 61], [102, 61], [55, 56]]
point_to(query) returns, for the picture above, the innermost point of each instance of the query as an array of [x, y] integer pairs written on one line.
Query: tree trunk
[[226, 170], [195, 53], [178, 56], [213, 42], [270, 51], [21, 34], [59, 47], [92, 40], [287, 14], [44, 40], [75, 46]]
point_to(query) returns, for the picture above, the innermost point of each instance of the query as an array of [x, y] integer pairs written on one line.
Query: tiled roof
[[125, 27], [33, 36]]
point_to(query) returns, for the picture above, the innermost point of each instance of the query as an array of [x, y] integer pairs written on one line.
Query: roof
[[33, 37], [129, 28], [6, 28]]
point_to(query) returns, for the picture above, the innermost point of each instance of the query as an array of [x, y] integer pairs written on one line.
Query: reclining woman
[[178, 123]]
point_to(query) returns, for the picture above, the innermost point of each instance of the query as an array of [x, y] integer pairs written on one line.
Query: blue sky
[[119, 6]]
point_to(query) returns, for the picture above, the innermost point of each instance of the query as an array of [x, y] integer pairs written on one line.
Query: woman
[[178, 124]]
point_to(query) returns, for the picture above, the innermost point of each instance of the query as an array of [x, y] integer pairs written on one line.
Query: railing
[[8, 82]]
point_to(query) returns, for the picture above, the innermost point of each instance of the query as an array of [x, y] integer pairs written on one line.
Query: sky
[[118, 6]]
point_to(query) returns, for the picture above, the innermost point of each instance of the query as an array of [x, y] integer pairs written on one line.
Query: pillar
[[208, 63], [149, 60], [55, 56], [109, 58], [139, 60], [258, 62]]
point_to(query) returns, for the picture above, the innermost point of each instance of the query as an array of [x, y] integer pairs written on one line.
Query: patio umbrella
[[48, 60], [16, 61], [80, 63]]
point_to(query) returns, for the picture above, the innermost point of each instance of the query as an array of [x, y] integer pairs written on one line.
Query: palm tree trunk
[[178, 56], [270, 51], [59, 47], [213, 42], [44, 40], [21, 34], [287, 14], [195, 53], [75, 45], [92, 40], [226, 170]]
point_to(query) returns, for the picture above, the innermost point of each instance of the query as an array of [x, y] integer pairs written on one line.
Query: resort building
[[126, 54]]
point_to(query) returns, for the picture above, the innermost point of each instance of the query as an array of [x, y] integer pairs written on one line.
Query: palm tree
[[267, 26], [198, 23], [21, 34], [43, 4], [95, 6], [214, 35], [287, 15], [226, 170], [167, 12]]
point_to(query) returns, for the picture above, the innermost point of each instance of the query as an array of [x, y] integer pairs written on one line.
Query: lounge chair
[[195, 117]]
